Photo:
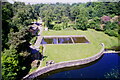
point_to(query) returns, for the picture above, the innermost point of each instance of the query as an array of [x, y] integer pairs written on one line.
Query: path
[[37, 43], [39, 38]]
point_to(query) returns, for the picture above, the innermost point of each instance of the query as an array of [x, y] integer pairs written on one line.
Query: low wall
[[65, 64]]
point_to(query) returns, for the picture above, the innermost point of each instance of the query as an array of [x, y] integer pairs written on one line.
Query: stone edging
[[111, 51], [65, 64]]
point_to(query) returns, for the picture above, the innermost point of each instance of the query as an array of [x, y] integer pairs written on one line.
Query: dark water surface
[[108, 63], [80, 40], [64, 40]]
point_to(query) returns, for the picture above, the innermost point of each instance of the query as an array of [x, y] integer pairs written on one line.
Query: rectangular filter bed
[[64, 39]]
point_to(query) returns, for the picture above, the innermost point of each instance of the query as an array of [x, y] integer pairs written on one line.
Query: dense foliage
[[15, 39], [16, 18], [102, 16]]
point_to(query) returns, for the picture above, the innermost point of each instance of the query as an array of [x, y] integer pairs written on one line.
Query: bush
[[73, 26], [97, 27], [111, 26], [111, 33], [94, 24], [41, 49], [57, 27], [91, 24], [33, 40]]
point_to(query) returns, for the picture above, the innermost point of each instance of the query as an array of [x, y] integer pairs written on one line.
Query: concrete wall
[[65, 64]]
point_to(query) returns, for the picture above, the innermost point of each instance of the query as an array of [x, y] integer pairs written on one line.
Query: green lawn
[[66, 52]]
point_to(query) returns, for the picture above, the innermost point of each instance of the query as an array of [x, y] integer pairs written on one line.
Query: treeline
[[102, 16], [16, 37], [15, 40]]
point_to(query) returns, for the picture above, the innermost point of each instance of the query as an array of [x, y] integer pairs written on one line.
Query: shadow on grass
[[44, 57], [26, 62]]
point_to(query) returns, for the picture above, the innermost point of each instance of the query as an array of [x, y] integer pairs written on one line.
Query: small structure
[[35, 63], [33, 30], [49, 62], [34, 27], [37, 23], [46, 29]]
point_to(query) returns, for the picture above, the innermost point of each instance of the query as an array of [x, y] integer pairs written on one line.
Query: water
[[64, 40], [49, 41], [80, 40], [107, 64]]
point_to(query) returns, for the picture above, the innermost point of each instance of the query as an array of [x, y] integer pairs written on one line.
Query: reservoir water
[[64, 40], [107, 66]]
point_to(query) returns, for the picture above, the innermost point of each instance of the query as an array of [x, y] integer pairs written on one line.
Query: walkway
[[39, 38]]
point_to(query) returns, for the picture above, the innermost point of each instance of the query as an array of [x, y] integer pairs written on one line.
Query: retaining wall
[[65, 64]]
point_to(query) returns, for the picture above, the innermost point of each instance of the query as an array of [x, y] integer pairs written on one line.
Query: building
[[33, 29]]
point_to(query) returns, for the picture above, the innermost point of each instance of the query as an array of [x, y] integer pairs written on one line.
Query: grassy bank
[[95, 37], [66, 52]]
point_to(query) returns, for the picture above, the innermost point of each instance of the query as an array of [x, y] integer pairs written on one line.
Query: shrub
[[33, 40], [94, 25], [41, 49], [57, 27], [111, 33], [97, 27], [111, 26]]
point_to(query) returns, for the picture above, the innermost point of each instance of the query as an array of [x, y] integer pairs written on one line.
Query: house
[[33, 29]]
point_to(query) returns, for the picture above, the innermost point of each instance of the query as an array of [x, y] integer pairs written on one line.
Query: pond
[[107, 66], [63, 40]]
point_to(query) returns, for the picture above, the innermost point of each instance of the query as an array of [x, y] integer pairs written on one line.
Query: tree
[[11, 60], [7, 14], [74, 12], [10, 64], [58, 27]]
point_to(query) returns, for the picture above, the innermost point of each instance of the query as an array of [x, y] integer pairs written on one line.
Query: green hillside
[[66, 52]]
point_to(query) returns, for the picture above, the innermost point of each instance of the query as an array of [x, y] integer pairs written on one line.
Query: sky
[[54, 1], [50, 1]]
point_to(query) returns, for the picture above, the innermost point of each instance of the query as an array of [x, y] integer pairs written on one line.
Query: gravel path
[[39, 38]]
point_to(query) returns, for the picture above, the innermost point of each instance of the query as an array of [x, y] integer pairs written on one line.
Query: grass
[[32, 69], [67, 52], [95, 37], [60, 53]]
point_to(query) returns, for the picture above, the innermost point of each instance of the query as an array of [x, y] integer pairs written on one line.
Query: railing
[[65, 64]]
